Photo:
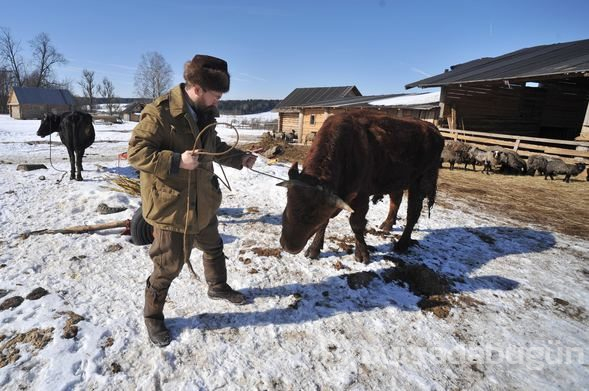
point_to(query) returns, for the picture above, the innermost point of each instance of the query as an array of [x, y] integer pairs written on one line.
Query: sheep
[[510, 161], [537, 163], [290, 137], [280, 136], [456, 152], [558, 167], [310, 137], [484, 158]]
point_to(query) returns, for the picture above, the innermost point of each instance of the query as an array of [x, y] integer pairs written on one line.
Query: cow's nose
[[290, 247]]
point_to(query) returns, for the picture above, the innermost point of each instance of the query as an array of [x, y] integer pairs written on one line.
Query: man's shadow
[[454, 253]]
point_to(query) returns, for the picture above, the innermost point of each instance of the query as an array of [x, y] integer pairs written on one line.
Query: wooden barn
[[542, 91], [304, 110], [32, 103]]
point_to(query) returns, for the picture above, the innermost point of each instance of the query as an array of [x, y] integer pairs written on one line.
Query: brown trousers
[[167, 254]]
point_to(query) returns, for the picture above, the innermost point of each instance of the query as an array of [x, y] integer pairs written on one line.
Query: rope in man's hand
[[189, 161]]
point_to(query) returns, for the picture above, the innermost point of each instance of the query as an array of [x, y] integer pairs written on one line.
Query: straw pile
[[124, 184]]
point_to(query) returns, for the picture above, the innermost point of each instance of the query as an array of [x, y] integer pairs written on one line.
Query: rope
[[269, 175], [51, 160], [195, 152]]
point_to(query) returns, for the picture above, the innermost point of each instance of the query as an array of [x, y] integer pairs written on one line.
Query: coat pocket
[[166, 202]]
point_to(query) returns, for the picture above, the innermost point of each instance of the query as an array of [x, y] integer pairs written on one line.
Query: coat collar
[[179, 107], [177, 102]]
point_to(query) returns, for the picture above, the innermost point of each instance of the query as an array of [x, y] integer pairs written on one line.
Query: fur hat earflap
[[207, 71]]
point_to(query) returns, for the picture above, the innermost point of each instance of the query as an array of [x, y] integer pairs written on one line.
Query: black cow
[[76, 133], [356, 155]]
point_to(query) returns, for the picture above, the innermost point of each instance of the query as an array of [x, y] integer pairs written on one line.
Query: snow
[[520, 321], [407, 100]]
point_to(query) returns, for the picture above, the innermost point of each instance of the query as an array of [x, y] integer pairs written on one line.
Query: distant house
[[305, 109], [32, 103], [133, 111], [542, 91]]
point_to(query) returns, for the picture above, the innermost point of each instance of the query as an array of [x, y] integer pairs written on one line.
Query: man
[[161, 148]]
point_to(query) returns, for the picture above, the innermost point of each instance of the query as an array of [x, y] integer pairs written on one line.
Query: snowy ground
[[517, 308]]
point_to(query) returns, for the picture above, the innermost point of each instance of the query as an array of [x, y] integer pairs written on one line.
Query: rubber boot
[[153, 314], [216, 277]]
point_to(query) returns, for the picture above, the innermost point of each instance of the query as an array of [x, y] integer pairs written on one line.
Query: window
[[312, 119]]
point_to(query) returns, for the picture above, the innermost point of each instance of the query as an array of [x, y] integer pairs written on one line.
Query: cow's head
[[309, 205], [49, 124]]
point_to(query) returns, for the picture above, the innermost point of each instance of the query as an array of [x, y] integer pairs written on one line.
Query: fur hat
[[208, 72]]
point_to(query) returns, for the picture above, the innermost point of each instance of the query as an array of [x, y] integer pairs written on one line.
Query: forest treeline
[[228, 107]]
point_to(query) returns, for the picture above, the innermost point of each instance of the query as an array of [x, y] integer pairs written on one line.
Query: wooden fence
[[569, 151]]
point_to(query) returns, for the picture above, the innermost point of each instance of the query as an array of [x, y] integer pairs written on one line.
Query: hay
[[125, 184]]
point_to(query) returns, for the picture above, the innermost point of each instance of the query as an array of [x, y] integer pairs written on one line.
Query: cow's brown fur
[[355, 155]]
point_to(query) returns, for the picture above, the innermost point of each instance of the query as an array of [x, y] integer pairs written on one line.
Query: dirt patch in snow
[[36, 338]]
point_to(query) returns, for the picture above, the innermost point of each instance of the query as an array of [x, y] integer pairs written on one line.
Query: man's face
[[206, 99]]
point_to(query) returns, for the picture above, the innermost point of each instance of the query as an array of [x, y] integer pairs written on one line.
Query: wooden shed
[[133, 111], [542, 91], [305, 110], [32, 103]]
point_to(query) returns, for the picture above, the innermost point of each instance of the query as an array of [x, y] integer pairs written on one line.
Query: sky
[[273, 47], [308, 324]]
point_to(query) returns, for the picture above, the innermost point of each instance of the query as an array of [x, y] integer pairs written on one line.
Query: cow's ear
[[293, 173]]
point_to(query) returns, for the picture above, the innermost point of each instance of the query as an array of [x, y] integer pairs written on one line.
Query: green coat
[[165, 130]]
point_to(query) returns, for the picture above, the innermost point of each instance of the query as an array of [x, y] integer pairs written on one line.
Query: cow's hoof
[[312, 253], [387, 227], [403, 246], [79, 179]]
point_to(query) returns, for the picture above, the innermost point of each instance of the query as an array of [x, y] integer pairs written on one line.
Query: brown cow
[[355, 155]]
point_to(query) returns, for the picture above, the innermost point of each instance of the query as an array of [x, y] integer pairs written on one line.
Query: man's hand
[[189, 160], [248, 160]]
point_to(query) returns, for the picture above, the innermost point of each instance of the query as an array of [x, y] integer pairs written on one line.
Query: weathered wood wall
[[554, 110]]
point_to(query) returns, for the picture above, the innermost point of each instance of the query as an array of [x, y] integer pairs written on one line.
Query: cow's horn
[[339, 203], [293, 182]]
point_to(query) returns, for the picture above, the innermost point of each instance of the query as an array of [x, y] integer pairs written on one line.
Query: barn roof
[[569, 59], [307, 96], [350, 101], [48, 96]]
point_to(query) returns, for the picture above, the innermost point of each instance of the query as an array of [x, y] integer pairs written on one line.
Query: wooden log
[[79, 229]]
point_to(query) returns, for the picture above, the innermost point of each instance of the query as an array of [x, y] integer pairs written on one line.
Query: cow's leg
[[315, 248], [79, 155], [414, 205], [358, 224], [72, 156], [394, 204]]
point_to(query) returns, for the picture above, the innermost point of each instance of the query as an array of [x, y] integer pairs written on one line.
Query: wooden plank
[[524, 149], [566, 152], [523, 138]]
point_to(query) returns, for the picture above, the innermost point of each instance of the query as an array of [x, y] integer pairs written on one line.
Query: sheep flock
[[496, 159]]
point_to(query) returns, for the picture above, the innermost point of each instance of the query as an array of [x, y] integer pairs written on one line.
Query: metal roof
[[308, 96], [569, 59], [46, 96]]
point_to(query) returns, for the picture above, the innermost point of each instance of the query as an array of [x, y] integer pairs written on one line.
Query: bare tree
[[153, 76], [5, 85], [11, 58], [45, 58], [88, 86], [107, 91]]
